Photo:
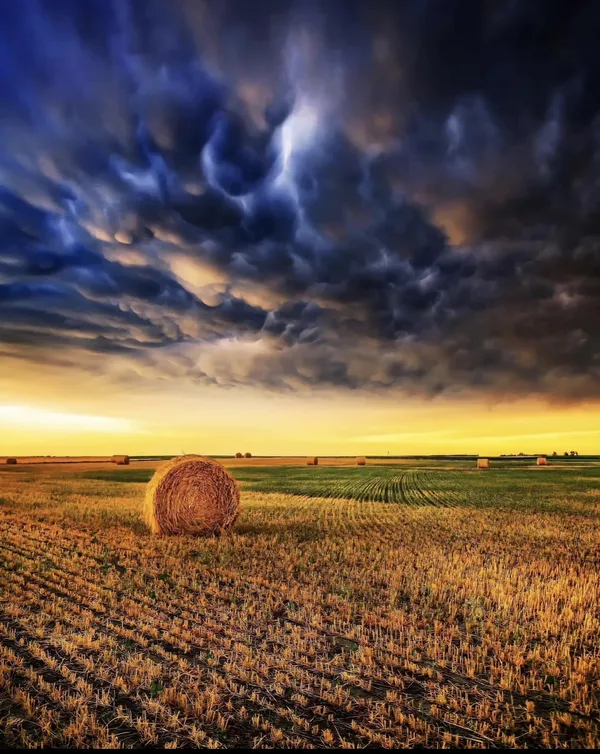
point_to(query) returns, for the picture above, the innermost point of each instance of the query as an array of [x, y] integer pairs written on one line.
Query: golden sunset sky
[[292, 233], [53, 415]]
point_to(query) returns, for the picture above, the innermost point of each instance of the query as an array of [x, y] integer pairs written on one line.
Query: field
[[405, 603]]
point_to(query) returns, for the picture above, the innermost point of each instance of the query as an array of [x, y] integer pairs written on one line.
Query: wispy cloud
[[30, 417], [436, 435], [400, 436], [528, 436]]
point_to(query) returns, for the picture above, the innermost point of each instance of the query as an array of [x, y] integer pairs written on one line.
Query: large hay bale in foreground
[[361, 461], [483, 463], [11, 461], [191, 495], [312, 461], [542, 461], [120, 460], [239, 455], [248, 455]]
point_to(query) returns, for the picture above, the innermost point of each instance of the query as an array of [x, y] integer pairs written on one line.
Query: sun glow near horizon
[[14, 416], [222, 422]]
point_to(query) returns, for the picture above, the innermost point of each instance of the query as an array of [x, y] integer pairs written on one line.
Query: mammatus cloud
[[338, 194]]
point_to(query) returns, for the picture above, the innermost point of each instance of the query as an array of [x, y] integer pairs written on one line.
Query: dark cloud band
[[414, 183]]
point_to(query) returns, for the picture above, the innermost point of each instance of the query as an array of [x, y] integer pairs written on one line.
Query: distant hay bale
[[239, 455], [361, 461], [120, 460], [191, 495], [542, 461], [312, 461], [11, 461], [483, 463], [248, 455]]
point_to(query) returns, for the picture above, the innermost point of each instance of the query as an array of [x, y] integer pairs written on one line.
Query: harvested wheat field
[[392, 605]]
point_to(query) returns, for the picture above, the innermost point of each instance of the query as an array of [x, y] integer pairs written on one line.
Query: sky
[[315, 226]]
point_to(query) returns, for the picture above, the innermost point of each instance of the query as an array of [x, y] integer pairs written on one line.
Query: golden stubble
[[315, 622]]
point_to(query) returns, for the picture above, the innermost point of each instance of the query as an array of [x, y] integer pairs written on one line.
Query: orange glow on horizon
[[16, 417], [213, 421]]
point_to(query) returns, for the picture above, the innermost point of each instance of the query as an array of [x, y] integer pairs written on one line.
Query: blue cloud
[[131, 139]]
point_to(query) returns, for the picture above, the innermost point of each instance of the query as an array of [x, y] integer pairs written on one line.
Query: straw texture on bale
[[312, 461], [361, 461], [248, 455], [239, 455], [542, 461], [483, 463], [11, 461], [120, 460], [191, 495]]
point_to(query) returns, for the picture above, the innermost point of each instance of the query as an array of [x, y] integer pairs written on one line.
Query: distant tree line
[[542, 455]]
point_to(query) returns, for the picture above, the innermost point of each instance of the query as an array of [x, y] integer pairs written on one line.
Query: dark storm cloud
[[373, 194]]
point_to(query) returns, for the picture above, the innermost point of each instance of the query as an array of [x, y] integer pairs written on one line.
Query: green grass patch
[[509, 485], [126, 476]]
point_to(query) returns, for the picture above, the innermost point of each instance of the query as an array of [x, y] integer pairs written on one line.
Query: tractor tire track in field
[[427, 492]]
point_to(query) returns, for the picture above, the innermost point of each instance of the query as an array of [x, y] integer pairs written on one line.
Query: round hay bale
[[312, 461], [361, 461], [247, 455], [11, 461], [239, 455], [120, 460], [542, 461], [483, 463], [191, 495]]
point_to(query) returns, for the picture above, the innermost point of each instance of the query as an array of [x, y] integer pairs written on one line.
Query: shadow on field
[[290, 531]]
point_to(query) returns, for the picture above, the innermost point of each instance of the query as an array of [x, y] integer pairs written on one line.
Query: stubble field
[[401, 604]]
